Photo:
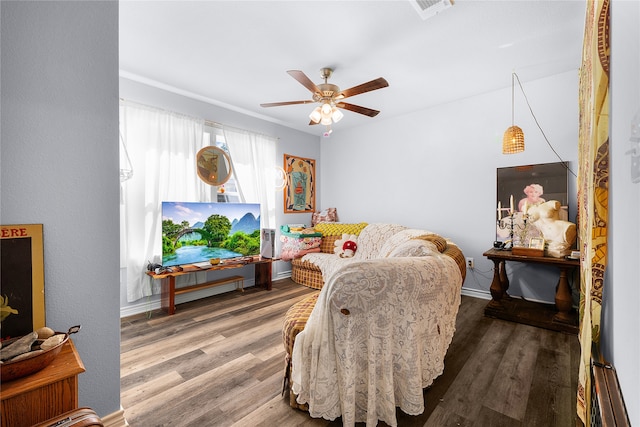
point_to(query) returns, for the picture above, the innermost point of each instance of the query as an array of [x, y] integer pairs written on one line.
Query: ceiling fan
[[330, 97]]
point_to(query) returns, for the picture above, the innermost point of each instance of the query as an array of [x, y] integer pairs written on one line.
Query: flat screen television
[[196, 232]]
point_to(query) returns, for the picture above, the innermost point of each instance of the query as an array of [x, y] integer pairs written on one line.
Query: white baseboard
[[146, 305], [476, 293], [482, 294], [154, 303], [283, 275], [115, 419]]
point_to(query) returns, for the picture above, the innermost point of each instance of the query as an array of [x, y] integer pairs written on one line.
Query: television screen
[[196, 232]]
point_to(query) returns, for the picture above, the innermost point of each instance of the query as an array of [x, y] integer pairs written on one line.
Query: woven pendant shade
[[513, 141]]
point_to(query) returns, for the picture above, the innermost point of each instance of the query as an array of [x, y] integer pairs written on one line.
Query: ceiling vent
[[428, 8]]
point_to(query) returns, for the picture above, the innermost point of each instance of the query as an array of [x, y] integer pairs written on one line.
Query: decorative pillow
[[295, 247], [339, 228], [327, 215], [415, 247], [347, 246], [329, 243]]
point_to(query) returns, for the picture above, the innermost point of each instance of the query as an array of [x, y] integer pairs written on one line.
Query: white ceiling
[[236, 53]]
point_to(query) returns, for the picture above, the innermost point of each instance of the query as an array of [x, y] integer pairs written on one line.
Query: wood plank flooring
[[219, 361]]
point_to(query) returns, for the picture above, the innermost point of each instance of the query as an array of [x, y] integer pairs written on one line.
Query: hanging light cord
[[513, 89], [566, 164]]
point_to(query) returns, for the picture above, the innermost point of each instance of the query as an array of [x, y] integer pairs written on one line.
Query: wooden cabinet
[[45, 394]]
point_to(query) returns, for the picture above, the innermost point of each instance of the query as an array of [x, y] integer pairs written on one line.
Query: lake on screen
[[192, 254]]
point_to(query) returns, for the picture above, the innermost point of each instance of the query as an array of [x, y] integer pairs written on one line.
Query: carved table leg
[[504, 280], [168, 296], [564, 302], [499, 279]]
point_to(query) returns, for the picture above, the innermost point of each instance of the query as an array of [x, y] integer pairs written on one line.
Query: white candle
[[525, 207], [499, 211], [511, 205]]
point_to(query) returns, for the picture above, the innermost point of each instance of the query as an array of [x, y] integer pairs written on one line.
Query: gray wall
[[620, 315], [442, 172], [59, 158]]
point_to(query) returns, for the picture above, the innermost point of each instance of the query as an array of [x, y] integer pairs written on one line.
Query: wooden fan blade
[[304, 80], [358, 109], [311, 123], [378, 83], [277, 104]]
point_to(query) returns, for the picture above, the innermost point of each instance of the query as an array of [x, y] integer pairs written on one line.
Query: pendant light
[[513, 139]]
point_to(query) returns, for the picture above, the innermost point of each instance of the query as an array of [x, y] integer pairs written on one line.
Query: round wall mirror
[[213, 165]]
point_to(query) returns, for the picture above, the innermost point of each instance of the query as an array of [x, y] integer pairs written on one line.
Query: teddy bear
[[346, 246]]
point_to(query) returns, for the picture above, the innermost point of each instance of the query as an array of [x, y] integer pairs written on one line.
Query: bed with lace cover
[[377, 335]]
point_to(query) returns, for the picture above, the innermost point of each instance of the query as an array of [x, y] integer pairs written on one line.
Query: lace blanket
[[377, 336]]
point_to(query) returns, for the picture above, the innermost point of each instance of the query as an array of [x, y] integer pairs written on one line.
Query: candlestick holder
[[521, 227]]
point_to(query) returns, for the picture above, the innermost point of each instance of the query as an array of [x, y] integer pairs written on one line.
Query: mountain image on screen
[[247, 224], [197, 232]]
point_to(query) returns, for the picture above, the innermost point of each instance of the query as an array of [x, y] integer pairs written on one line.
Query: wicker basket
[[21, 368]]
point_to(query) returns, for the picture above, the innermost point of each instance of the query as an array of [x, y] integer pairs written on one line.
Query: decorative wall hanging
[[22, 278], [300, 188], [213, 165], [593, 189]]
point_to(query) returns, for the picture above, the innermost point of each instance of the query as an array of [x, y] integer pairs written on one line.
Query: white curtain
[[254, 159], [162, 147]]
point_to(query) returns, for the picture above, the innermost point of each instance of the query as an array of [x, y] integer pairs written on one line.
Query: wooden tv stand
[[168, 297]]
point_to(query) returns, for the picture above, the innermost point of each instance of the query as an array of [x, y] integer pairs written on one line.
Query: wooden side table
[[558, 317], [45, 394]]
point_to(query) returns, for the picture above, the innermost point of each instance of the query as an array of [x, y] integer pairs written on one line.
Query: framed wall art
[[300, 186], [21, 279], [522, 186]]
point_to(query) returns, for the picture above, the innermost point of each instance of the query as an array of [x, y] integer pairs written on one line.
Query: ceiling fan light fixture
[[337, 115], [326, 95], [316, 115]]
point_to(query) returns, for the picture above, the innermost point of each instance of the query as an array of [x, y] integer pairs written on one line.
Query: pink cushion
[[327, 215]]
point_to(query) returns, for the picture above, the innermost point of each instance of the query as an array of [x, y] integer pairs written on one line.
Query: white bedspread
[[377, 336]]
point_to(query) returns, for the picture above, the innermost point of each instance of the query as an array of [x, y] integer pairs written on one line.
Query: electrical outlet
[[469, 262]]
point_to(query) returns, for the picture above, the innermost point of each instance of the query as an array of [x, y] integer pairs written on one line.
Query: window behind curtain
[[229, 192]]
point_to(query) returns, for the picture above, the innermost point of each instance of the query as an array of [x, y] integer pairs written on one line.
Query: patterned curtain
[[593, 187]]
